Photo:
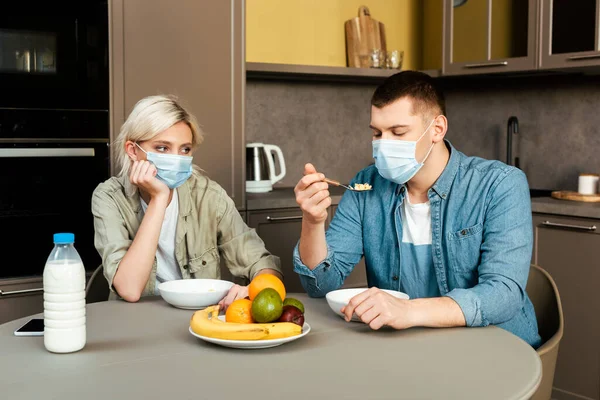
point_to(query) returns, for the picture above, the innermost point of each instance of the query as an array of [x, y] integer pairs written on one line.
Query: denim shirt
[[482, 239]]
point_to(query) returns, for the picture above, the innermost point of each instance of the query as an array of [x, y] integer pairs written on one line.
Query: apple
[[292, 314]]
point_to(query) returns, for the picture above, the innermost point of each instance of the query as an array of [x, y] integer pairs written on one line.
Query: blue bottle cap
[[64, 238]]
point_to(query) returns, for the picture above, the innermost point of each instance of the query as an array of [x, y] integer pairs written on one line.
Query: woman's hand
[[236, 292], [143, 175]]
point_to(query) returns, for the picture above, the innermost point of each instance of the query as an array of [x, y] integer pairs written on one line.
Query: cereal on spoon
[[362, 186]]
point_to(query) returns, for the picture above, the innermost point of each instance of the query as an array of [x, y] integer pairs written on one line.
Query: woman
[[160, 219]]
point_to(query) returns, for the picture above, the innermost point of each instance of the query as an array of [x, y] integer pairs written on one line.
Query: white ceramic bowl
[[340, 298], [194, 294]]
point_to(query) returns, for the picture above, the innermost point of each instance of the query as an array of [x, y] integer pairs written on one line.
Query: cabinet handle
[[568, 226], [34, 153], [276, 219], [3, 293], [584, 57], [484, 65]]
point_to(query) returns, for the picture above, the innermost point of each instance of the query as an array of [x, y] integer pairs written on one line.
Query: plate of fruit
[[266, 318]]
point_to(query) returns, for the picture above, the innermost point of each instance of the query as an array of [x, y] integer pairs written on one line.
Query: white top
[[167, 268], [416, 223]]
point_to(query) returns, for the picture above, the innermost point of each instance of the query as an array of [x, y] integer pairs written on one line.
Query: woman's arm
[[134, 269], [128, 264], [243, 250]]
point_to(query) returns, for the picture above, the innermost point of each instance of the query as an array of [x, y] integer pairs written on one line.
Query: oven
[[50, 164], [54, 54]]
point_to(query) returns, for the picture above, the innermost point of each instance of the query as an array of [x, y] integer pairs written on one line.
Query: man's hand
[[236, 292], [312, 196], [378, 308]]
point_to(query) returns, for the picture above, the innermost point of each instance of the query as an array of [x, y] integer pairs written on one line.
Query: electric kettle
[[260, 167]]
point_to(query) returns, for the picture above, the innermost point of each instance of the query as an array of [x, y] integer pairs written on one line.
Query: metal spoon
[[336, 183]]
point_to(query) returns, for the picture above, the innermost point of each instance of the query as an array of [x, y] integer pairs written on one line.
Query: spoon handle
[[332, 182]]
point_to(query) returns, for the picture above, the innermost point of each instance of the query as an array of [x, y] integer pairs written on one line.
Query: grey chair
[[97, 287], [549, 314]]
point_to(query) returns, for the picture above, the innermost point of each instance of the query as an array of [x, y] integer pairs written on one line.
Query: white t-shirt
[[167, 268]]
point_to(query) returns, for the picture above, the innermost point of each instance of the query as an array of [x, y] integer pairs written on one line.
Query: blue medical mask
[[396, 159], [172, 169]]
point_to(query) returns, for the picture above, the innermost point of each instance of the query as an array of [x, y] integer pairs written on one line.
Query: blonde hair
[[151, 116]]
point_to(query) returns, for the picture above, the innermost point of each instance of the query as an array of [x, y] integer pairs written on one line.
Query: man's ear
[[440, 127]]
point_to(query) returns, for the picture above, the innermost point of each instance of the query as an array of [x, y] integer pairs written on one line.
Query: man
[[451, 231]]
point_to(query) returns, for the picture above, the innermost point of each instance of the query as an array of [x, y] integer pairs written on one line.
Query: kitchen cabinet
[[567, 248], [490, 36], [280, 230], [18, 305], [570, 35], [194, 50]]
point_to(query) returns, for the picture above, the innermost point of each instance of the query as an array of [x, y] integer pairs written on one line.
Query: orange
[[264, 281], [239, 311]]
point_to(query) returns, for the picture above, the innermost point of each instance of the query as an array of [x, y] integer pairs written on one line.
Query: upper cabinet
[[570, 33], [490, 36], [306, 38], [192, 49]]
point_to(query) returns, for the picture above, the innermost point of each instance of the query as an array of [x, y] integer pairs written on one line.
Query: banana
[[206, 323]]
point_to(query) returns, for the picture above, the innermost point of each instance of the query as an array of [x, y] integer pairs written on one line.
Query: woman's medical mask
[[396, 159], [172, 169]]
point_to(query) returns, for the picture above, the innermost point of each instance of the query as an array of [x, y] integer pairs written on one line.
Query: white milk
[[64, 298]]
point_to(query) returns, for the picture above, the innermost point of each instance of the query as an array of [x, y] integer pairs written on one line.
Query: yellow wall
[[311, 32]]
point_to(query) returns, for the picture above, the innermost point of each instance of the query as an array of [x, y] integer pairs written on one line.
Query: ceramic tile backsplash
[[327, 124], [559, 124]]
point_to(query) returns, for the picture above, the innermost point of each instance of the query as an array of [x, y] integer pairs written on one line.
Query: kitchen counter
[[285, 198], [549, 205]]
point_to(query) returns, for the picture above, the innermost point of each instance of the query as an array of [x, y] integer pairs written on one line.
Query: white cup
[[588, 184]]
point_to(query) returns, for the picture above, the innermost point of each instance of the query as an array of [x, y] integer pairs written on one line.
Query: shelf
[[321, 73]]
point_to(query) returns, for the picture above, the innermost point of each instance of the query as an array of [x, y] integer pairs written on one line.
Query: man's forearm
[[313, 246], [437, 312]]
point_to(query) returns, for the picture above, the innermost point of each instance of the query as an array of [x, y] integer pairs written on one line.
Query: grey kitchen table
[[144, 351]]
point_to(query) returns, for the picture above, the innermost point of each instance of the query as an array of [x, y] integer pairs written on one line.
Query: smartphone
[[34, 327]]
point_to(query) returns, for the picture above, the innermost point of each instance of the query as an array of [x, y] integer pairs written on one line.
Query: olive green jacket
[[209, 230]]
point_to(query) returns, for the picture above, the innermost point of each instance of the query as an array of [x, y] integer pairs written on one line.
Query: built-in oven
[[50, 164], [54, 54]]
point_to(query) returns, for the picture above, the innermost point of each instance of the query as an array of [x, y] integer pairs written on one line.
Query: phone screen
[[32, 327]]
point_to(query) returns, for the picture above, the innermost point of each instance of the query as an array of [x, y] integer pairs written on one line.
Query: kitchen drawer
[[576, 224], [280, 230], [18, 305]]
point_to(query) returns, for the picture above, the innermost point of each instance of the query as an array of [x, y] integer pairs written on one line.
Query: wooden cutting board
[[363, 34], [574, 196]]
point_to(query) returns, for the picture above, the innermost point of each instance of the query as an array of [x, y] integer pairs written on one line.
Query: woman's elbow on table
[[130, 296], [127, 292]]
